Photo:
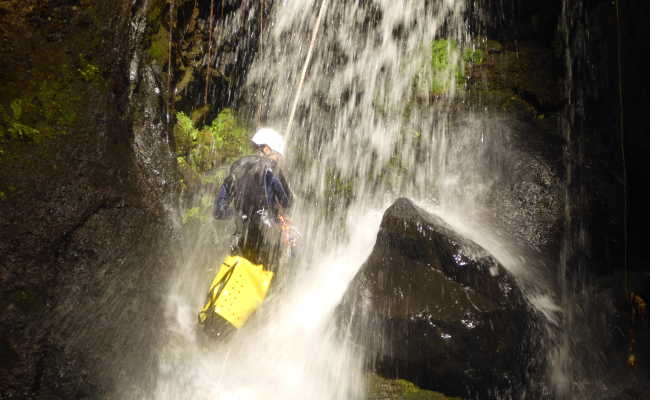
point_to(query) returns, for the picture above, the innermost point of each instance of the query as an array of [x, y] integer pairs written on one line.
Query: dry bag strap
[[225, 278]]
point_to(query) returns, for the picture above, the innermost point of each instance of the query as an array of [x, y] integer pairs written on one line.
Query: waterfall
[[367, 130]]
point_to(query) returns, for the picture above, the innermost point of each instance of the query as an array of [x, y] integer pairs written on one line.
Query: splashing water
[[360, 139], [290, 349]]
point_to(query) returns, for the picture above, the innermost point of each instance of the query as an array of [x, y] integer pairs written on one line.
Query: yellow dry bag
[[237, 290]]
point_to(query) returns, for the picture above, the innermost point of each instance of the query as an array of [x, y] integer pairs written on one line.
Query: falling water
[[364, 134], [579, 368]]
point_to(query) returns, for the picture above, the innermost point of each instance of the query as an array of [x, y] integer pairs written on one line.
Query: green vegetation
[[217, 143], [45, 93], [449, 64], [158, 31], [159, 48], [14, 128], [400, 389], [200, 213], [50, 103], [203, 153]]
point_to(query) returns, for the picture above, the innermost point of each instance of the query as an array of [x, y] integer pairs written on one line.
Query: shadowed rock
[[441, 311]]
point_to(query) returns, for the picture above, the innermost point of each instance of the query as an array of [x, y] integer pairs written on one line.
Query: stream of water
[[359, 141]]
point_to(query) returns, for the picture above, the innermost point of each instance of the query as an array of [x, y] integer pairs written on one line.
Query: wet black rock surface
[[84, 241], [442, 312]]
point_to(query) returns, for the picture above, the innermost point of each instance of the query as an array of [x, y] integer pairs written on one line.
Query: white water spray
[[359, 141], [291, 349]]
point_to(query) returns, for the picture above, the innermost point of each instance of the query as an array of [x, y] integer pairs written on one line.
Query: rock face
[[83, 238], [443, 313], [86, 169], [514, 99], [516, 175]]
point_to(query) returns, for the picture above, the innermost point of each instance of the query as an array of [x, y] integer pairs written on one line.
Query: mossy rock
[[159, 47], [45, 92], [450, 64], [521, 79], [380, 388]]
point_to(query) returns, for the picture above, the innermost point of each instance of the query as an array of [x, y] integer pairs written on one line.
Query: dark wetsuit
[[257, 189]]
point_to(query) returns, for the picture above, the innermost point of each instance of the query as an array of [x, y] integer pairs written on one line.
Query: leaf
[[23, 131], [17, 108]]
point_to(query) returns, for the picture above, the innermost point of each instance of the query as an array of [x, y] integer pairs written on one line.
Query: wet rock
[[503, 155], [515, 174], [443, 312], [84, 244], [518, 78], [520, 103], [7, 354]]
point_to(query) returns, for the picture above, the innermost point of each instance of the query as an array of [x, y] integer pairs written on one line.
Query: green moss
[[45, 94], [49, 104], [192, 215], [450, 63], [13, 127], [444, 69], [155, 11], [159, 48], [517, 81], [158, 26], [188, 77], [473, 57], [200, 213], [199, 113], [89, 72], [399, 389]]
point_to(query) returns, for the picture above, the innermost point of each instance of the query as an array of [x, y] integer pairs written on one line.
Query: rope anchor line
[[321, 12]]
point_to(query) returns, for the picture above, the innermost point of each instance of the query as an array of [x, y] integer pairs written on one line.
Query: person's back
[[259, 194], [255, 183]]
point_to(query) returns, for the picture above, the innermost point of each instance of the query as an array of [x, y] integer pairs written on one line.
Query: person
[[257, 193]]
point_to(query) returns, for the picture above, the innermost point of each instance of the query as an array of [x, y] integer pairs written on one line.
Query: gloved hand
[[290, 235]]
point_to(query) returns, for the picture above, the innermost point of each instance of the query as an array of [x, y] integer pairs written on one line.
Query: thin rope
[[207, 72], [621, 127], [323, 8], [170, 95]]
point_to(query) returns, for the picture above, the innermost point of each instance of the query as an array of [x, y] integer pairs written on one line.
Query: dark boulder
[[443, 312]]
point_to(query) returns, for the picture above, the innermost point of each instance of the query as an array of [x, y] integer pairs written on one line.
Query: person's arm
[[287, 189], [284, 196], [222, 200], [280, 192]]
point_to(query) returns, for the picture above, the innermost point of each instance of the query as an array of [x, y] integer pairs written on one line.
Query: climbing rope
[[321, 12], [170, 94], [209, 59]]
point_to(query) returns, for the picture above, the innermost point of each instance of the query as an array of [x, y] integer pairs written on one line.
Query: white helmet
[[271, 138]]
